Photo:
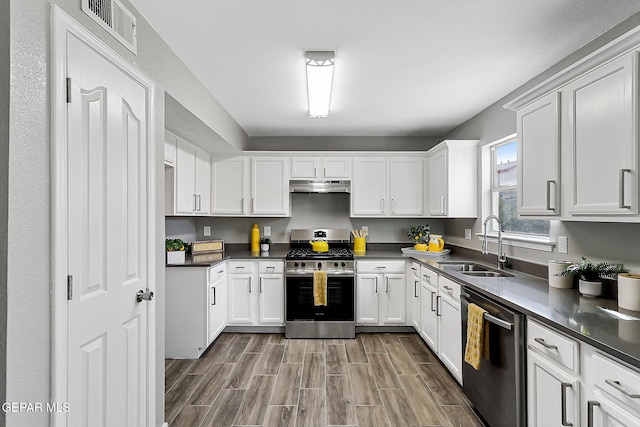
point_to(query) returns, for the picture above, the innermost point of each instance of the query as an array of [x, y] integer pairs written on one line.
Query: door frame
[[61, 25]]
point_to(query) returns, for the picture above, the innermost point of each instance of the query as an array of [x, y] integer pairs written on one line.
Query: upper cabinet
[[191, 180], [228, 185], [387, 186], [452, 179], [269, 186], [538, 126], [320, 167], [578, 133], [170, 149]]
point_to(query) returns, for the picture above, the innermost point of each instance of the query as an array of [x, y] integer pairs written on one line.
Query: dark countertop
[[564, 309]]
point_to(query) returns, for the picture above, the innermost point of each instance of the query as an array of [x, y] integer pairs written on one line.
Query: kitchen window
[[500, 188]]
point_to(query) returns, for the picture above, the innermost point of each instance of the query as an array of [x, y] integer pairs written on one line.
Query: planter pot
[[556, 267], [264, 247], [420, 247], [175, 257], [590, 289]]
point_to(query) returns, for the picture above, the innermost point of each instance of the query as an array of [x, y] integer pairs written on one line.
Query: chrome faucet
[[502, 258]]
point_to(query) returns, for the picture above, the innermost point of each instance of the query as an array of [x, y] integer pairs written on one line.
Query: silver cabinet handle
[[239, 268], [324, 172], [427, 277], [315, 172], [442, 205], [253, 205], [415, 289], [432, 294], [545, 345], [616, 384], [214, 296], [195, 202], [549, 182], [387, 285], [447, 288], [242, 205], [250, 284], [563, 395], [498, 322], [622, 205], [260, 285], [438, 305], [376, 285], [590, 405], [199, 202]]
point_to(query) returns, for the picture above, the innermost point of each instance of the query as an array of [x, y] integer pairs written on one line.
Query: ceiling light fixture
[[319, 79]]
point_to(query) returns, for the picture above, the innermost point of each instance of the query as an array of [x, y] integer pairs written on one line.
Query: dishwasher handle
[[488, 317]]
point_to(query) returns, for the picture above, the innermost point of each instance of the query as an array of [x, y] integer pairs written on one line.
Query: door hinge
[[69, 288], [68, 90]]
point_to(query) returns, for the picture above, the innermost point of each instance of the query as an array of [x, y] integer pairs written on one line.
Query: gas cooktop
[[307, 253]]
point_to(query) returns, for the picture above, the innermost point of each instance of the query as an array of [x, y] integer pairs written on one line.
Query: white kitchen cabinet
[[607, 412], [229, 186], [428, 313], [381, 293], [195, 307], [369, 186], [406, 186], [452, 179], [413, 294], [269, 186], [599, 131], [256, 293], [169, 149], [192, 185], [538, 126], [320, 167]]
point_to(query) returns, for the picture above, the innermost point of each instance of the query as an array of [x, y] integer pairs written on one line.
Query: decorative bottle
[[255, 238]]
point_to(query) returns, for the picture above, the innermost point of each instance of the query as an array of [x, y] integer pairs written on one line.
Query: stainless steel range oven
[[304, 319]]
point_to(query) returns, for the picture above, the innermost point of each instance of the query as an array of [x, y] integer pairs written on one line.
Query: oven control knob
[[344, 264], [303, 264], [335, 264], [295, 264]]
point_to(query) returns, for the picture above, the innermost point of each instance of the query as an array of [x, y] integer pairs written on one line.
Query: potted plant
[[590, 275], [176, 249], [264, 244], [419, 235]]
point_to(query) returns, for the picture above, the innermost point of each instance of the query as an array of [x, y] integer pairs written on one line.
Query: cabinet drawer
[[240, 267], [429, 276], [271, 267], [415, 270], [449, 287], [617, 380], [216, 272], [553, 344], [381, 266]]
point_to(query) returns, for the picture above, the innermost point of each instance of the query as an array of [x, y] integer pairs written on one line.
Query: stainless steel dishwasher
[[497, 389]]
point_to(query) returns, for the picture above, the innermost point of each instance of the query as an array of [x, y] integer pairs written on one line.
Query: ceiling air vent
[[115, 18]]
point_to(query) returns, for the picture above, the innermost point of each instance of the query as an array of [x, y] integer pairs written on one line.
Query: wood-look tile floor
[[266, 380]]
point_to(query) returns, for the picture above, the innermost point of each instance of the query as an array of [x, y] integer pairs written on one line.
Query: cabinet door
[[538, 127], [406, 178], [228, 187], [429, 313], [217, 308], [367, 288], [546, 384], [369, 187], [305, 167], [606, 412], [438, 182], [336, 167], [241, 290], [185, 183], [202, 182], [450, 334], [271, 299], [169, 149], [393, 302], [415, 302], [600, 125], [269, 186]]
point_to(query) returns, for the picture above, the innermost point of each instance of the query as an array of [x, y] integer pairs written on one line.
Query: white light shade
[[319, 79]]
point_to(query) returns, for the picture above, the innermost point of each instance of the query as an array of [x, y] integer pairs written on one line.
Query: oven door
[[340, 299]]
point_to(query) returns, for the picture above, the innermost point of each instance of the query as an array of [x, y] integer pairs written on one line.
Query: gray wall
[[609, 241], [5, 70], [342, 143]]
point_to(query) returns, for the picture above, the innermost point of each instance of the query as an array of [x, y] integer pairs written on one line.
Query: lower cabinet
[[413, 295], [195, 309], [256, 293], [381, 293]]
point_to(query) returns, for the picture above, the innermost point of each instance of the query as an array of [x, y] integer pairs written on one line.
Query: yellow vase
[[436, 244], [420, 247]]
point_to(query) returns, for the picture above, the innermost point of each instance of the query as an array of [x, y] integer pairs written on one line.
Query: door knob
[[144, 295]]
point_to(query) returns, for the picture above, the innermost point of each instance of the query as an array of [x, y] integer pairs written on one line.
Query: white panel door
[[217, 309], [185, 182], [538, 127], [241, 289], [438, 183], [407, 186], [228, 187], [202, 182], [607, 412], [394, 301], [269, 186], [108, 257], [271, 299], [336, 167], [603, 137], [450, 334], [305, 167], [428, 317], [367, 288], [414, 297], [369, 187]]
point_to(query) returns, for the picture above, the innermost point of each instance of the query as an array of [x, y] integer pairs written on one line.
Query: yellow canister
[[359, 245]]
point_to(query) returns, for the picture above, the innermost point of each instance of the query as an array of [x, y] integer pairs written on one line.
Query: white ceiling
[[408, 67]]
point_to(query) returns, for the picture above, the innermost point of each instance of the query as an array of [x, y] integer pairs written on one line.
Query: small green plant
[[175, 245], [265, 241], [419, 234], [592, 272]]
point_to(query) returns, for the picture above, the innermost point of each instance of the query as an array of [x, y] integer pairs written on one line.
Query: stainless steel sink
[[463, 266], [493, 273]]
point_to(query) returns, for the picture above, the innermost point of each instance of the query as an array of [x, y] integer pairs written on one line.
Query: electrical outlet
[[467, 233], [207, 230], [365, 228], [267, 231], [563, 244]]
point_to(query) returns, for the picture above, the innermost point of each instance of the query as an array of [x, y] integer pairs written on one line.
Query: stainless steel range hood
[[319, 186]]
